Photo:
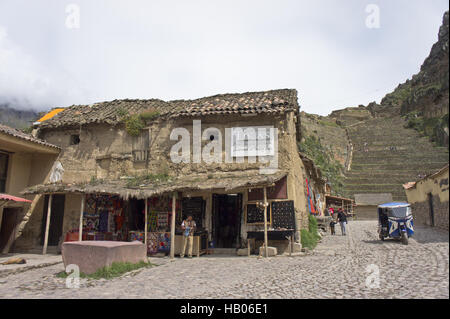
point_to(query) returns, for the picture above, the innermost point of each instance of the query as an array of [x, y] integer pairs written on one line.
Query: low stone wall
[[93, 255], [366, 213], [421, 213]]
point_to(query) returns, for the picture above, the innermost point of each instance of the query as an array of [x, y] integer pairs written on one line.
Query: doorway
[[56, 219], [430, 203], [136, 217], [9, 222], [227, 212]]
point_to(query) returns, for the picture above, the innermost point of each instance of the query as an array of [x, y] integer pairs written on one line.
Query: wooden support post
[[266, 249], [290, 246], [146, 222], [80, 230], [172, 228], [47, 226]]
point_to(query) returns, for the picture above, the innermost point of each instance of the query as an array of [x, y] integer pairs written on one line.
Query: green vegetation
[[147, 178], [324, 159], [121, 112], [27, 129], [115, 270], [95, 181], [135, 123], [398, 96], [433, 128], [329, 123], [149, 115], [309, 237]]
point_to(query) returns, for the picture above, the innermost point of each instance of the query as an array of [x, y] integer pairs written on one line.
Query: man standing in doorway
[[342, 218], [188, 227]]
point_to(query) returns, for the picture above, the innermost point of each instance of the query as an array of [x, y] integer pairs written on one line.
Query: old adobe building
[[122, 149], [24, 161], [429, 199]]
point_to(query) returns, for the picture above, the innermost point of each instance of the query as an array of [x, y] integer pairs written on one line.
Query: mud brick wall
[[421, 213]]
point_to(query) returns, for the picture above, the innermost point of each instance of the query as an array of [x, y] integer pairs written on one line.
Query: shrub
[[134, 124], [310, 236], [150, 115], [325, 160]]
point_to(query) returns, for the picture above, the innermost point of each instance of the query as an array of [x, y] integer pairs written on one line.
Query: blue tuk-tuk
[[395, 220]]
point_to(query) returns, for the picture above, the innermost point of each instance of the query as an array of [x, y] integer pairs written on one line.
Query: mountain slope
[[386, 155], [16, 118], [402, 138]]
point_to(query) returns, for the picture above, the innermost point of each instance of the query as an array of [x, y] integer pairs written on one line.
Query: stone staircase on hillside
[[393, 156]]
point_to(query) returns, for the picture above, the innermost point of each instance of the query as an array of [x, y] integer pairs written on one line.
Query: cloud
[[180, 49], [26, 83]]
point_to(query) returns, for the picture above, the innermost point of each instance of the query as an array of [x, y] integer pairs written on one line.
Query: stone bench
[[93, 255]]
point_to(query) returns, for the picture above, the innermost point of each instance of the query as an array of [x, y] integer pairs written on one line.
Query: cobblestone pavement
[[340, 267]]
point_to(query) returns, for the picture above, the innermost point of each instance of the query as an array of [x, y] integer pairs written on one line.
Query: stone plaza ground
[[358, 265]]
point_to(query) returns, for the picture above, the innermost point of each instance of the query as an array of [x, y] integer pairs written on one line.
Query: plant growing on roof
[[149, 115], [122, 112], [135, 123], [147, 178]]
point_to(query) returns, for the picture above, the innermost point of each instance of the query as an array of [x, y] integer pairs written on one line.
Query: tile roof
[[215, 181], [274, 101], [24, 136], [410, 185]]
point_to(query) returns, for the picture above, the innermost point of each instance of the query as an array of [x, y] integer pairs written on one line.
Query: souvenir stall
[[194, 206], [104, 218], [280, 216], [159, 222]]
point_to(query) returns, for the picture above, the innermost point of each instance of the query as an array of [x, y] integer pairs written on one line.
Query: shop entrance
[[136, 216], [9, 222], [226, 217], [56, 219]]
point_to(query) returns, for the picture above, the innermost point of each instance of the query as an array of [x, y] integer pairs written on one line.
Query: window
[[3, 171], [252, 141], [74, 139]]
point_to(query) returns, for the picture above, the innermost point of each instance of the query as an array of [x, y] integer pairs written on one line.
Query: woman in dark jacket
[[342, 218]]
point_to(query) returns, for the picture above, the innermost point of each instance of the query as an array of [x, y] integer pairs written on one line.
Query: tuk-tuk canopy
[[395, 209], [394, 204]]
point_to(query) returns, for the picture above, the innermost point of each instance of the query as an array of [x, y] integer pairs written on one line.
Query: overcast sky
[[188, 49]]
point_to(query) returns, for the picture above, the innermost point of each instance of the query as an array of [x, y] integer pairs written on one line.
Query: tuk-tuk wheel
[[404, 239], [382, 237]]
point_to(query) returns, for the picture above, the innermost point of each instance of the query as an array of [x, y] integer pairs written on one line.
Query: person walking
[[342, 218], [332, 224], [188, 225]]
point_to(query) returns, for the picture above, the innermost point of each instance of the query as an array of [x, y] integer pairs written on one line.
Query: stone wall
[[368, 212], [422, 216], [436, 188]]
